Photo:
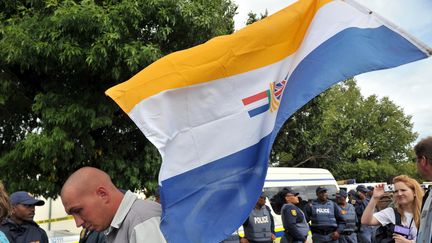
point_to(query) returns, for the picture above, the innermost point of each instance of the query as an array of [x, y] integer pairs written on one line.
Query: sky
[[408, 86]]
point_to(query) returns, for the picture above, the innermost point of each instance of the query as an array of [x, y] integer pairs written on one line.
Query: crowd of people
[[108, 214], [355, 216], [352, 217]]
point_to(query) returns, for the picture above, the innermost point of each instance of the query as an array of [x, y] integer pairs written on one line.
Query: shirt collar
[[125, 205]]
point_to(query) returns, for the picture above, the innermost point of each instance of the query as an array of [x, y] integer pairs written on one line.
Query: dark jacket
[[28, 231], [92, 237], [360, 207], [294, 223]]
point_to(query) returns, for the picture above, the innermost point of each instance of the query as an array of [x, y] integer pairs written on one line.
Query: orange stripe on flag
[[255, 46]]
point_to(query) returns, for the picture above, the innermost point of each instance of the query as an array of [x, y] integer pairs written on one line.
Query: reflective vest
[[323, 215], [349, 214], [259, 227]]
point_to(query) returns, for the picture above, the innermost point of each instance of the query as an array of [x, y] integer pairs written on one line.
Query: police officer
[[352, 197], [370, 193], [326, 220], [348, 235], [20, 225], [293, 218], [364, 231], [259, 226]]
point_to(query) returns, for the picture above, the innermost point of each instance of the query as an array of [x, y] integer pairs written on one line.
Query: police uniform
[[259, 227], [348, 235], [294, 223], [325, 219], [27, 230], [364, 231]]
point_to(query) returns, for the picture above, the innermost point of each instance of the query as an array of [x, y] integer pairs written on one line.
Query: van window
[[305, 192]]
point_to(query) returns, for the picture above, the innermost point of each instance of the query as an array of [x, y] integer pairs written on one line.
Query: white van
[[303, 180]]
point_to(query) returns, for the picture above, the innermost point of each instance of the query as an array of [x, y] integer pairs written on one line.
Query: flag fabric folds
[[214, 110]]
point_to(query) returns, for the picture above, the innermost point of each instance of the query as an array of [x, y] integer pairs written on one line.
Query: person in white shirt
[[408, 196]]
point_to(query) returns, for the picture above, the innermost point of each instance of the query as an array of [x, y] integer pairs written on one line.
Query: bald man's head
[[86, 180], [90, 196]]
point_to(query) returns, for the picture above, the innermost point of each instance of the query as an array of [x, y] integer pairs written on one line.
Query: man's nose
[[32, 208], [78, 221]]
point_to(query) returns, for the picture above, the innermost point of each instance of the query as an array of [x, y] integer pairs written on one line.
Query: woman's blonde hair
[[5, 206], [418, 196]]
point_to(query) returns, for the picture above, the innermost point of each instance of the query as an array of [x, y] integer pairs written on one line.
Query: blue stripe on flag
[[258, 110], [298, 179], [350, 52], [219, 195]]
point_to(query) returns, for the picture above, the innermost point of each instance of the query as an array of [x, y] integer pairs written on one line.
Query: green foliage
[[253, 17], [372, 171], [57, 57], [346, 133]]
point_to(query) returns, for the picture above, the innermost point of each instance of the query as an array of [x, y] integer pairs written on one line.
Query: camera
[[402, 230], [388, 188]]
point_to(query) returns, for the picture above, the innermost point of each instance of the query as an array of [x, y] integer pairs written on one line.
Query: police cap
[[362, 188], [342, 193], [321, 189]]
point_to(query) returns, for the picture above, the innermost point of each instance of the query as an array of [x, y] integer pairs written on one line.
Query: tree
[[341, 130], [56, 60], [253, 17]]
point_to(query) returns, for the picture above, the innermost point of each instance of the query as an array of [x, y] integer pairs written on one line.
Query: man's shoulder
[[144, 209], [33, 226], [7, 222], [30, 228], [143, 214]]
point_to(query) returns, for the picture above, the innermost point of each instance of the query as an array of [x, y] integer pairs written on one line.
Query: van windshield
[[305, 192]]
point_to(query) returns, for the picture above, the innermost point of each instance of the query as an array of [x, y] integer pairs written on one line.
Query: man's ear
[[424, 165], [13, 209], [103, 193]]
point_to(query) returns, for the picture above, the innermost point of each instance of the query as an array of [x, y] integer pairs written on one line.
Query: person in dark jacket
[[259, 226], [20, 226], [348, 235], [326, 220], [293, 218], [364, 231], [91, 236]]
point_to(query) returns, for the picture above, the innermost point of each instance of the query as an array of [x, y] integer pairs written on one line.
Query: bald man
[[96, 204]]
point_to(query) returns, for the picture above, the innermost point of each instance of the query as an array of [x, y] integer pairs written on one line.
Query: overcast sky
[[408, 86]]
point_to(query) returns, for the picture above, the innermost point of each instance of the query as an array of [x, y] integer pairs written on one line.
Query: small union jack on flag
[[265, 100]]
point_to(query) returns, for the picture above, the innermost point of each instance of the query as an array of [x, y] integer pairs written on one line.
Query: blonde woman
[[407, 198], [5, 209]]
